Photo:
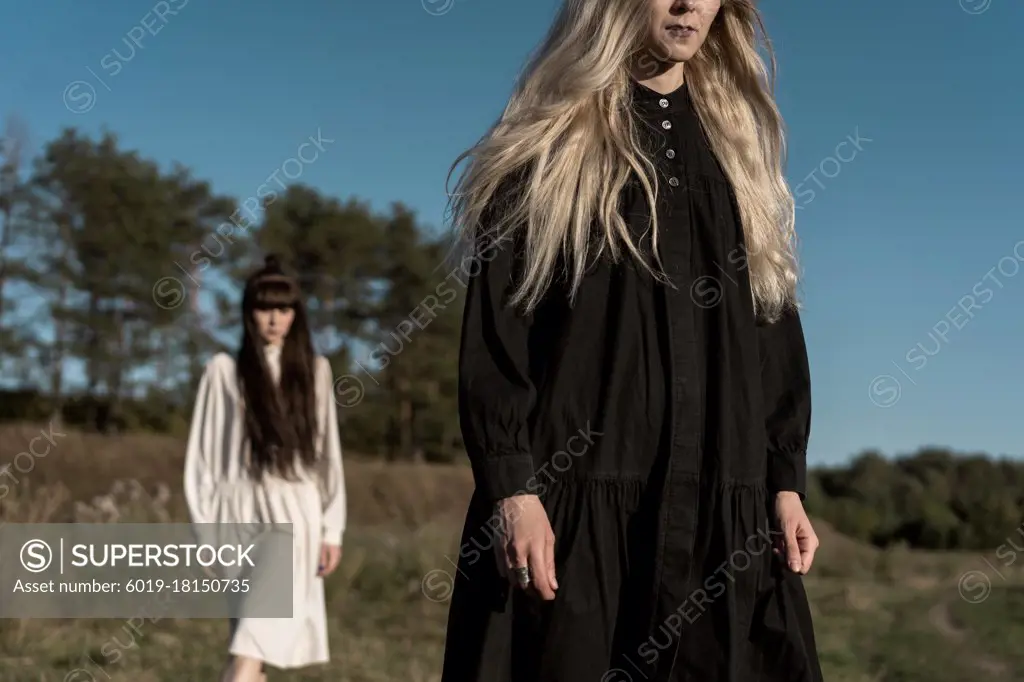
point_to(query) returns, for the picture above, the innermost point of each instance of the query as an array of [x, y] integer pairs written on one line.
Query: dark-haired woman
[[264, 448]]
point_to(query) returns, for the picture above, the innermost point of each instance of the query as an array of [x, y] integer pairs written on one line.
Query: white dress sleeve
[[332, 474], [203, 456]]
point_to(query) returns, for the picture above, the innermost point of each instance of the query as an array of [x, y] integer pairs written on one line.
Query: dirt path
[[942, 620]]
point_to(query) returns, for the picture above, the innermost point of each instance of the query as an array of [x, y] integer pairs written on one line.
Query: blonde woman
[[635, 392], [264, 448]]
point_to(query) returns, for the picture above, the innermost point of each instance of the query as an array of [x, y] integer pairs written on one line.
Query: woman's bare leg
[[243, 669]]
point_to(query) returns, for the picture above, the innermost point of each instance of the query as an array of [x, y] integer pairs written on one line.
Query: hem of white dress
[[280, 664]]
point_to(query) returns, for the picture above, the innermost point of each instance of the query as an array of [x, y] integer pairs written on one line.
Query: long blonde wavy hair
[[567, 133]]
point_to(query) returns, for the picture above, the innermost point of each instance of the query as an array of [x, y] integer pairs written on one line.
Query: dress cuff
[[787, 472], [507, 475], [332, 536]]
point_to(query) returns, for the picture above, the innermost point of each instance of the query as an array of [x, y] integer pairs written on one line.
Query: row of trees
[[119, 278], [934, 499]]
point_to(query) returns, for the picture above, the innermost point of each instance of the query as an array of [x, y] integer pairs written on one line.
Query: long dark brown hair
[[280, 419]]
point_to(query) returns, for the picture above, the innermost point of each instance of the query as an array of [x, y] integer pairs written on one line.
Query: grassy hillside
[[892, 616]]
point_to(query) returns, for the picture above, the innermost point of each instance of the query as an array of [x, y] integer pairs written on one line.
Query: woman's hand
[[799, 541], [330, 557], [527, 541]]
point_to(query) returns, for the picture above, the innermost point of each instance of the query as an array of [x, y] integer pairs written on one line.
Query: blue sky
[[922, 213]]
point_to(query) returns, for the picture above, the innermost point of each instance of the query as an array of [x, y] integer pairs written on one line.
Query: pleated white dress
[[219, 490]]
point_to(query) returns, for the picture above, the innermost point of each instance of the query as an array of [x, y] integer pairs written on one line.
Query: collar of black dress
[[653, 102]]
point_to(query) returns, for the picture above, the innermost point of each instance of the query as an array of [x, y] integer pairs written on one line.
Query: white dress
[[219, 490]]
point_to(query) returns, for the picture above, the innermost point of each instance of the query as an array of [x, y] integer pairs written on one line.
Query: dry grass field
[[892, 616]]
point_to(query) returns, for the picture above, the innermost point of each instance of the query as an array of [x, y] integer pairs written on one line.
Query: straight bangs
[[273, 292]]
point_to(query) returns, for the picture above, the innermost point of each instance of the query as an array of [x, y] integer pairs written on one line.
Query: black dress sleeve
[[496, 393], [786, 382]]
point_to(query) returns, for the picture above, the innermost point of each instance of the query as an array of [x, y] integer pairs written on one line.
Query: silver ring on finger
[[522, 574]]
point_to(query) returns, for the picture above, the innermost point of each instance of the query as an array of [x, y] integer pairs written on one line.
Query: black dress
[[656, 423]]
